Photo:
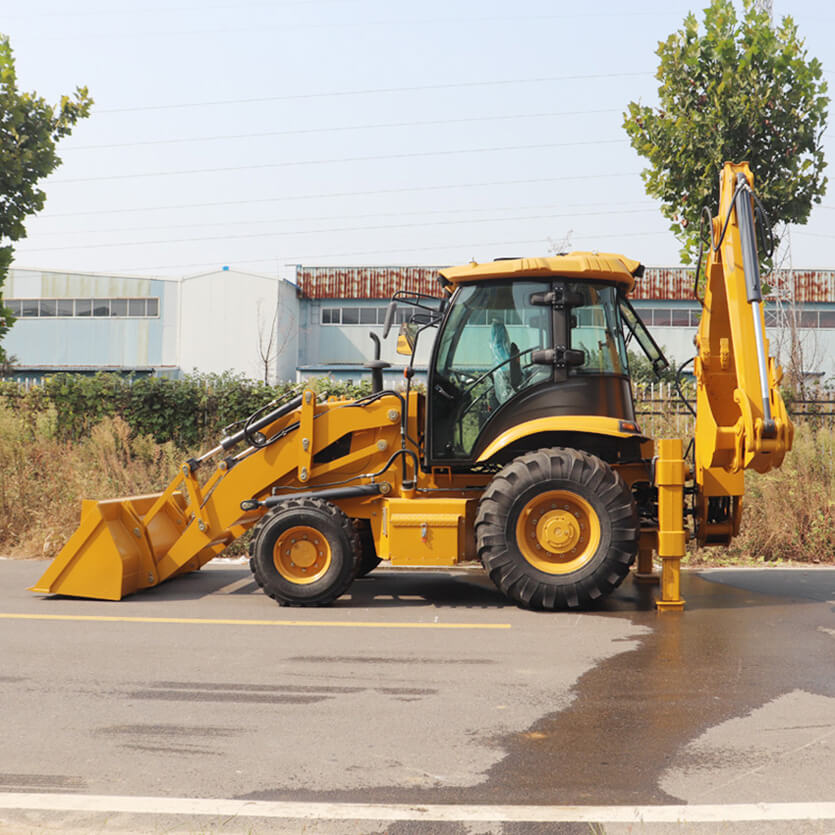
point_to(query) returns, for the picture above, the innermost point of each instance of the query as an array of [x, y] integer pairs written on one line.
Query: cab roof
[[580, 266]]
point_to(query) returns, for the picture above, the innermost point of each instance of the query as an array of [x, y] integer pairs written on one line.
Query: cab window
[[596, 330], [484, 358]]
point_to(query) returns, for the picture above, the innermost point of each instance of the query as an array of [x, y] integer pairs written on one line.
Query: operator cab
[[525, 339]]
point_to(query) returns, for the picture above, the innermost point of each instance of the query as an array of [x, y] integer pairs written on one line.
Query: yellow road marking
[[236, 622]]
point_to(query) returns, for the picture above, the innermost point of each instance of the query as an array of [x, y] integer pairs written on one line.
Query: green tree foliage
[[29, 131], [737, 91], [642, 372]]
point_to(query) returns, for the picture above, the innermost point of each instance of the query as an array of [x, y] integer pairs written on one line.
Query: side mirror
[[387, 322], [407, 338]]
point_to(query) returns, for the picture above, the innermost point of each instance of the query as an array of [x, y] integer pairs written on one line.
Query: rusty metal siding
[[657, 283], [366, 282], [809, 285], [664, 283], [676, 284]]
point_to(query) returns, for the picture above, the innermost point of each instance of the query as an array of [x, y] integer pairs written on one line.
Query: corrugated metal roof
[[676, 283], [657, 283], [366, 282]]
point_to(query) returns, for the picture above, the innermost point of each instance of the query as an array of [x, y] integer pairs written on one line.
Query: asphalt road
[[420, 702]]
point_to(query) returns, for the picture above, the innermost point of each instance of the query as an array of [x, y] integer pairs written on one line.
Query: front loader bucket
[[113, 554]]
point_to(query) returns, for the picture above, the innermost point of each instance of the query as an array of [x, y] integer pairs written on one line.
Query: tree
[[740, 91], [29, 131], [271, 344]]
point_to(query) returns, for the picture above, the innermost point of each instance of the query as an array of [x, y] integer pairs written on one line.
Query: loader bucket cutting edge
[[112, 554]]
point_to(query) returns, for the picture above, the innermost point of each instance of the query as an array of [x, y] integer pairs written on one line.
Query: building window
[[660, 317], [680, 317], [145, 308], [363, 315]]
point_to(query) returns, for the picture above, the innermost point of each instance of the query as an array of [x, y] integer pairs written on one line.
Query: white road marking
[[418, 811]]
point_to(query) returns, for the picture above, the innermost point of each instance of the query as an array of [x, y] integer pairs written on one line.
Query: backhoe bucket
[[113, 554]]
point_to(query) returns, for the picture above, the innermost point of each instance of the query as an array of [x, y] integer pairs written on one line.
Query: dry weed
[[789, 513], [43, 479]]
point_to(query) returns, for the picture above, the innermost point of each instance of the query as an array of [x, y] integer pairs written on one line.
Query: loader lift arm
[[124, 545]]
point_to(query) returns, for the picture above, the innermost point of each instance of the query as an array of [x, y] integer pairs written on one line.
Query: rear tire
[[368, 559], [557, 529], [304, 553]]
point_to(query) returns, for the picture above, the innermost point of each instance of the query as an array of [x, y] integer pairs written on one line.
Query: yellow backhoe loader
[[524, 452]]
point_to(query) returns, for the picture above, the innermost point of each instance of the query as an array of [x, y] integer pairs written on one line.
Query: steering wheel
[[488, 389]]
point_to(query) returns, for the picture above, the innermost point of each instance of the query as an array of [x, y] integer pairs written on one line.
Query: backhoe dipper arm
[[741, 420]]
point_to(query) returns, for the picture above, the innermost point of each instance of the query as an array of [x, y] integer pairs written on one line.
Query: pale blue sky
[[262, 134]]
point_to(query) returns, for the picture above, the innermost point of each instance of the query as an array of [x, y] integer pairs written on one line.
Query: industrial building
[[315, 321]]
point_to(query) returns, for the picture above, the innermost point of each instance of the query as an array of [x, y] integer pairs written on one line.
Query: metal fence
[[660, 410]]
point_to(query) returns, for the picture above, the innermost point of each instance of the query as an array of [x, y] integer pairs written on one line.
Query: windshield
[[484, 357]]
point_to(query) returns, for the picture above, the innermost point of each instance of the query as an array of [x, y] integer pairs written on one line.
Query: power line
[[340, 128], [372, 91], [289, 233], [298, 258], [319, 218], [322, 195], [371, 158], [284, 25], [146, 11]]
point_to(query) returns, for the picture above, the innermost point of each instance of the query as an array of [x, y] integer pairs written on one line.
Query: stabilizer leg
[[670, 472]]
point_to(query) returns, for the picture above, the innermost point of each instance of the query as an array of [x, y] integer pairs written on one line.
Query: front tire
[[304, 553], [557, 529]]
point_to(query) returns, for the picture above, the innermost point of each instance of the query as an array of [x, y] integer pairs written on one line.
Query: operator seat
[[502, 350]]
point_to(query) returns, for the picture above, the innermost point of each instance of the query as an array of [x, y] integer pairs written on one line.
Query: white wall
[[818, 347], [226, 320]]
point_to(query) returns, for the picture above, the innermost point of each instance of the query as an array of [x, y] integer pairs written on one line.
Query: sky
[[259, 135]]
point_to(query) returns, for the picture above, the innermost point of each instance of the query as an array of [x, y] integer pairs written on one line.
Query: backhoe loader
[[524, 451]]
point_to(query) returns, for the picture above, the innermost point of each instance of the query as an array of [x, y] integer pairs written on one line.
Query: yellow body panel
[[558, 423], [425, 531], [580, 265]]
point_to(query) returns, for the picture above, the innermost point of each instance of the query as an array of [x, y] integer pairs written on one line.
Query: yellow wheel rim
[[558, 532], [301, 554]]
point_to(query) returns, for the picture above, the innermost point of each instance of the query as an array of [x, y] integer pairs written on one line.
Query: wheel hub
[[301, 554], [558, 531]]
